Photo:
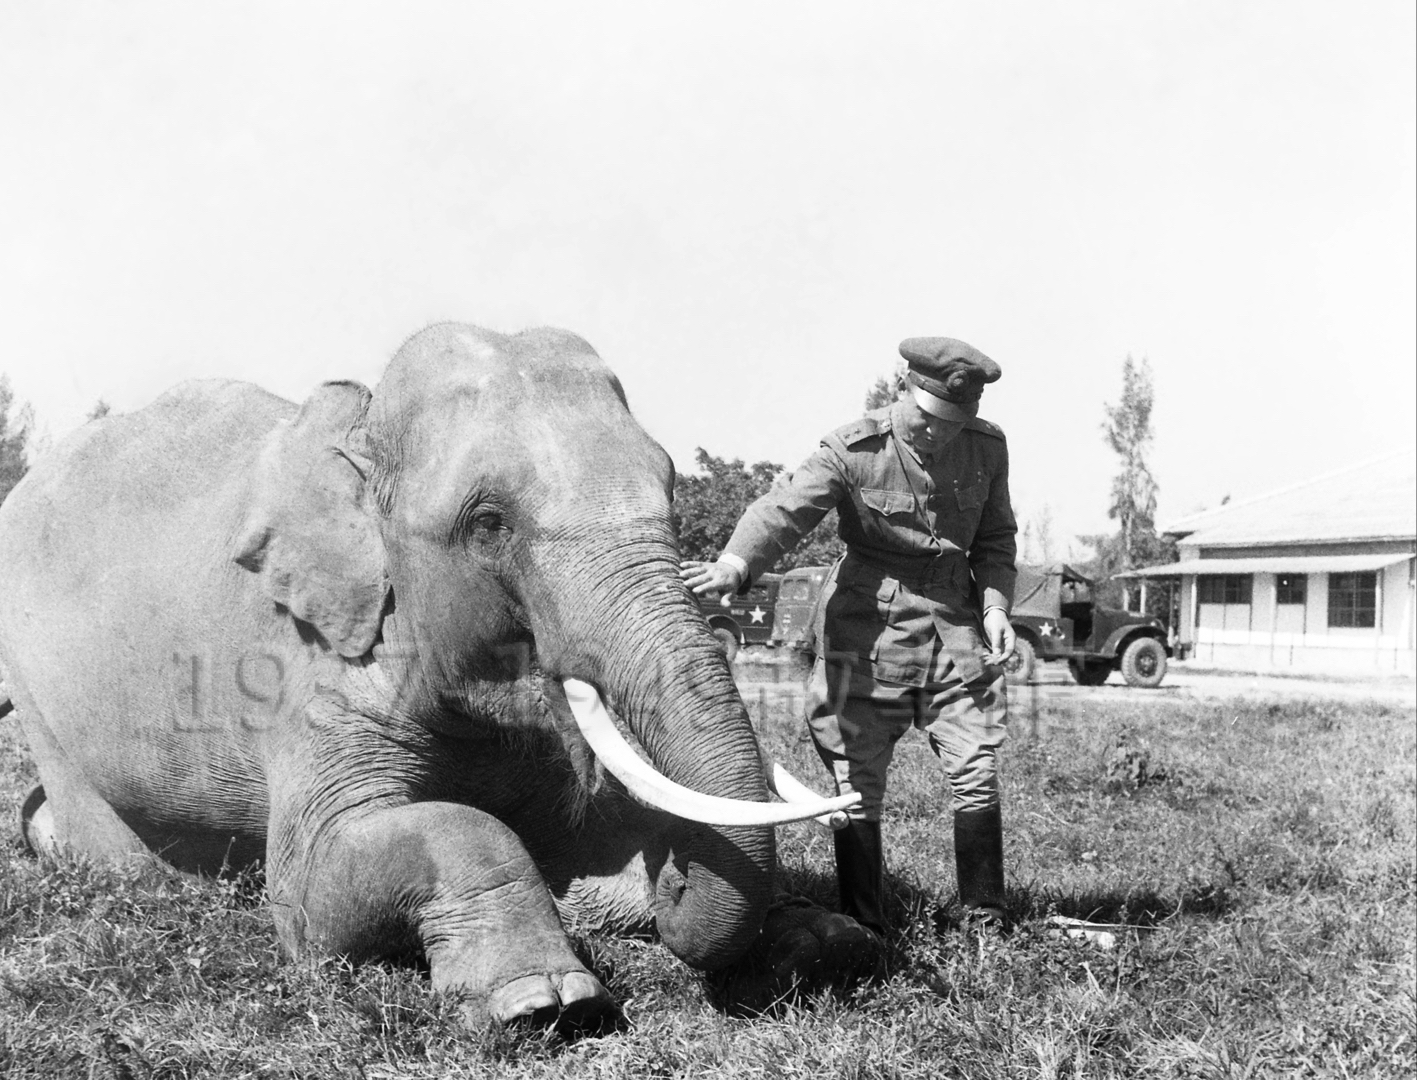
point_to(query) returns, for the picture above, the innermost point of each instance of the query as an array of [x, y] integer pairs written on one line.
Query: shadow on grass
[[1139, 907], [749, 988], [1142, 907]]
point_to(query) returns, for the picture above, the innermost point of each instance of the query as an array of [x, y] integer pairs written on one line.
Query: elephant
[[384, 644]]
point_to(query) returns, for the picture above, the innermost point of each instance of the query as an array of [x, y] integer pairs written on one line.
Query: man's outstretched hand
[[999, 633], [719, 577]]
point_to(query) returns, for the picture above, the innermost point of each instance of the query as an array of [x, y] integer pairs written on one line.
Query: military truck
[[796, 604], [1055, 618], [748, 618]]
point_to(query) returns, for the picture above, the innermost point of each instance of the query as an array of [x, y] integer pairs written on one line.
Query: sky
[[743, 207]]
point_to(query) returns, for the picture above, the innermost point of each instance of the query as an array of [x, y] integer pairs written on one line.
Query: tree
[[820, 547], [1037, 544], [100, 409], [1127, 430], [707, 507], [14, 435], [884, 391], [1105, 561]]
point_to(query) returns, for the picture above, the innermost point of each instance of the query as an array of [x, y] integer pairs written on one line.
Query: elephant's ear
[[308, 533]]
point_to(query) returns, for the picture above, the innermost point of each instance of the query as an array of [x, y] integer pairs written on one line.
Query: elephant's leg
[[454, 881], [65, 812]]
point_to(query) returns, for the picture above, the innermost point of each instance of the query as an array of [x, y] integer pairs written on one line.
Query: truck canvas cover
[[1039, 589]]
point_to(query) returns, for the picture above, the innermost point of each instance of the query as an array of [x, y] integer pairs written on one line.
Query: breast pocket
[[889, 515], [973, 496], [969, 500], [888, 503]]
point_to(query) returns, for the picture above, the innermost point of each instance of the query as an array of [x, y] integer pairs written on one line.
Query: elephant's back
[[173, 450], [129, 496]]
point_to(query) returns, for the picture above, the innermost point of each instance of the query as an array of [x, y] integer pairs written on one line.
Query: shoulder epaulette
[[984, 427], [859, 431]]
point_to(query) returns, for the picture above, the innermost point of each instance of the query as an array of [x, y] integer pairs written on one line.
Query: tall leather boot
[[979, 865], [859, 873]]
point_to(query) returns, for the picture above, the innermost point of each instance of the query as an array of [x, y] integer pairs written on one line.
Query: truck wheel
[[1090, 672], [727, 642], [1144, 663], [1018, 668]]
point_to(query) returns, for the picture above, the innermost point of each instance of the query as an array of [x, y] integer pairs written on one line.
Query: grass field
[[1264, 853]]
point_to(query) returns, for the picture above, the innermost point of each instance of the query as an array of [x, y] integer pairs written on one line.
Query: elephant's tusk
[[792, 790], [652, 787]]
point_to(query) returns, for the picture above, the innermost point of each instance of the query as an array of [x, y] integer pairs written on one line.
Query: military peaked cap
[[948, 369]]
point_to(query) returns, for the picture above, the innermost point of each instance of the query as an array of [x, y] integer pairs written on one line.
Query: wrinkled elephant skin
[[330, 638]]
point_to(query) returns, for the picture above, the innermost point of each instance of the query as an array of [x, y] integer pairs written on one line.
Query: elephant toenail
[[584, 1001], [579, 986], [531, 998]]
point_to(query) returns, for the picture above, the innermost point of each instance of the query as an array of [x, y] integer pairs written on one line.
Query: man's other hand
[[704, 577], [999, 633]]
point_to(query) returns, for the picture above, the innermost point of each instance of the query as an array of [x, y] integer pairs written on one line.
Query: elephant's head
[[494, 499]]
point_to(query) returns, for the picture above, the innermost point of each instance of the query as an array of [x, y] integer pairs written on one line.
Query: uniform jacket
[[927, 547]]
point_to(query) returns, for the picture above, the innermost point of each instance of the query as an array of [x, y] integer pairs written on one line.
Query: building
[[1318, 576]]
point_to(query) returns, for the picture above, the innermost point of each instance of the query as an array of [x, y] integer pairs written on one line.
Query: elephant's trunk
[[712, 895], [641, 641]]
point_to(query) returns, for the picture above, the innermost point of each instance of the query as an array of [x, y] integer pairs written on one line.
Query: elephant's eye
[[479, 522]]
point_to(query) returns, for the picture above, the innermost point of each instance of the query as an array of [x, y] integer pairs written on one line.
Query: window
[[796, 589], [1291, 588], [1353, 599], [1224, 588]]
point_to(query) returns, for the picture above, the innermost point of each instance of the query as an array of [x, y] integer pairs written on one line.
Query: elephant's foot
[[850, 951], [557, 993], [803, 947], [65, 813], [459, 883], [37, 825], [571, 1000], [808, 945]]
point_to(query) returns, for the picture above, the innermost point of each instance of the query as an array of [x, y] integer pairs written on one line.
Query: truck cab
[[796, 605]]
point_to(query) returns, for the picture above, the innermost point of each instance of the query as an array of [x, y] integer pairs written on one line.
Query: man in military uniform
[[914, 619]]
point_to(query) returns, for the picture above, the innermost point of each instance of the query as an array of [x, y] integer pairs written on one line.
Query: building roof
[[1372, 500], [1270, 564]]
